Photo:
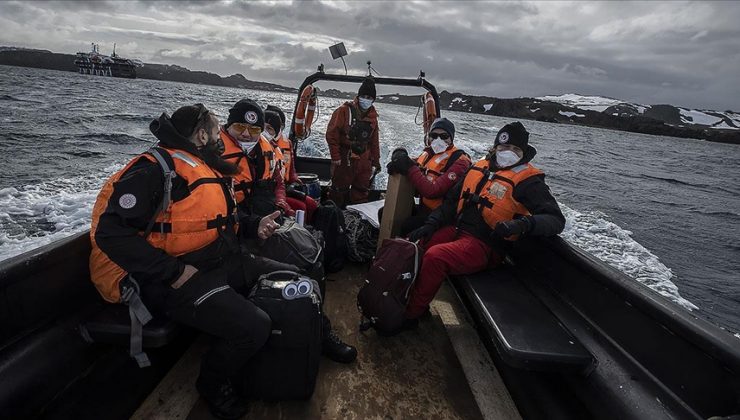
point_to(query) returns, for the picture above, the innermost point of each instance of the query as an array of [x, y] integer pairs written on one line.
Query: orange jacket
[[432, 167], [492, 192], [337, 133], [234, 153], [187, 225], [289, 173]]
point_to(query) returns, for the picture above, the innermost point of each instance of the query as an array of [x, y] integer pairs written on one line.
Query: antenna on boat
[[339, 51], [114, 50]]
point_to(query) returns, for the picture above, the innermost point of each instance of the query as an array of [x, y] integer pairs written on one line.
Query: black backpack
[[287, 366], [329, 219], [294, 244]]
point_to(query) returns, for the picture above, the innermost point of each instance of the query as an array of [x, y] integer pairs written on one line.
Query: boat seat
[[112, 325], [524, 332]]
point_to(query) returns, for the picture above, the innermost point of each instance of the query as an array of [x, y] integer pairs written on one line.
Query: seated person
[[502, 198], [295, 197], [185, 256], [440, 166], [259, 185]]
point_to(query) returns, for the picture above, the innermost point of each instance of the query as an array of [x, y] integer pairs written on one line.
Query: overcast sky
[[681, 53]]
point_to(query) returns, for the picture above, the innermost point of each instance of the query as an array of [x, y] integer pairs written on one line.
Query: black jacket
[[546, 219], [118, 230]]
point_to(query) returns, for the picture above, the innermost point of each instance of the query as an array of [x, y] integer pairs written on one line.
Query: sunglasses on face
[[241, 127], [443, 136]]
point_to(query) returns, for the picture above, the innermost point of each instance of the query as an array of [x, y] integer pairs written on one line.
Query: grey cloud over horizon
[[682, 53]]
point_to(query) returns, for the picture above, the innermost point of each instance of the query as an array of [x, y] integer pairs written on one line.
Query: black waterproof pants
[[239, 328]]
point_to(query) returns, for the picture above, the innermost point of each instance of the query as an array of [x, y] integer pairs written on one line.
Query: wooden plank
[[176, 395], [399, 199], [413, 375]]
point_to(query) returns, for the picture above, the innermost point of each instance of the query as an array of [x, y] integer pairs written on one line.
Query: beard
[[211, 154]]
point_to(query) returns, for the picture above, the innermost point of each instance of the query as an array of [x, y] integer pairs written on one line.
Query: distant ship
[[98, 64]]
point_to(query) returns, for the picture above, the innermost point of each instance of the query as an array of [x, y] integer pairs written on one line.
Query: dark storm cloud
[[669, 52]]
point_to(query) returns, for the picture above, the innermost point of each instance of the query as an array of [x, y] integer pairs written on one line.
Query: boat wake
[[592, 232], [36, 215]]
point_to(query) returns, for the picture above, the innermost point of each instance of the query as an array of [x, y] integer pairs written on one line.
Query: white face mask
[[269, 137], [365, 103], [247, 146], [438, 146], [506, 158]]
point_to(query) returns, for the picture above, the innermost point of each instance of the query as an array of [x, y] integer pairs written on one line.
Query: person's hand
[[293, 192], [285, 207], [376, 168], [187, 273], [423, 233], [268, 225], [511, 227], [334, 165], [402, 165]]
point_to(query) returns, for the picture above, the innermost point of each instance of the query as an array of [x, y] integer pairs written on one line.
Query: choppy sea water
[[663, 210]]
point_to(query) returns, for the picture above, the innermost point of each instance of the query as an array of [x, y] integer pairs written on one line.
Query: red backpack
[[382, 299]]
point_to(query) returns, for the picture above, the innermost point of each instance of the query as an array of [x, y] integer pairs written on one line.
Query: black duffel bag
[[287, 366]]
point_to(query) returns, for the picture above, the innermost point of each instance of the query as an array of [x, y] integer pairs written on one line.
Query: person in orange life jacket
[[296, 198], [188, 262], [502, 198], [439, 167], [353, 138], [261, 198], [259, 184]]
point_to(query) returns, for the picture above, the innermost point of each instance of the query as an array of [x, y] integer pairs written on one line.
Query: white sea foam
[[35, 215], [592, 232]]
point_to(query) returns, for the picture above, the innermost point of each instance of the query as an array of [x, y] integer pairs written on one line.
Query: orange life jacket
[[279, 158], [433, 166], [184, 226], [287, 148], [493, 192], [234, 153]]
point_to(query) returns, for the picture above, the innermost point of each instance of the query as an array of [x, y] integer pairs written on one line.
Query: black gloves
[[293, 191], [423, 233], [512, 227], [400, 162]]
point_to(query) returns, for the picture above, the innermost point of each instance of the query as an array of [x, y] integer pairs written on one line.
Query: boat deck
[[439, 371]]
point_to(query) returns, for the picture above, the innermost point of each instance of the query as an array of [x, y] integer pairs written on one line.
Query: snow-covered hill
[[676, 116]]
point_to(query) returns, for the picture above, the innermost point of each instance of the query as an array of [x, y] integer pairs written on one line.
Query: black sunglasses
[[443, 136]]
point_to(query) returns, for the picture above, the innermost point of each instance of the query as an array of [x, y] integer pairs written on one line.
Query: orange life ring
[[430, 111], [304, 112]]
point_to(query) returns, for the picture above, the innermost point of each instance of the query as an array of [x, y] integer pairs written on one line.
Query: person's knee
[[255, 328]]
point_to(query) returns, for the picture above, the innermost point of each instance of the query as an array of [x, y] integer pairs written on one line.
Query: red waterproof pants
[[447, 252], [351, 181], [309, 206]]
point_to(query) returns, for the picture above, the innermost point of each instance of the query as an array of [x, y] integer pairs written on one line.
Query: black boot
[[223, 401], [336, 350]]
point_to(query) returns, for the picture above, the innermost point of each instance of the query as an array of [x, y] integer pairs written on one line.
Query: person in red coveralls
[[296, 199], [439, 167], [502, 198], [353, 138]]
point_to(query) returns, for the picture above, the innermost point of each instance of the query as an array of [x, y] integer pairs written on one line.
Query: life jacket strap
[[139, 315]]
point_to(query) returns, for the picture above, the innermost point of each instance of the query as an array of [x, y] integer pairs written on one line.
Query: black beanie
[[246, 111], [273, 118], [445, 125], [185, 118], [514, 134], [279, 111], [367, 88]]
